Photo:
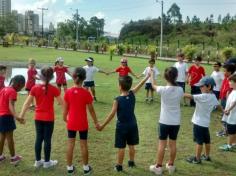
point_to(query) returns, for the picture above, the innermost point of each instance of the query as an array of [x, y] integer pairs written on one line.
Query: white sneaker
[[156, 170], [39, 163], [171, 169], [50, 163]]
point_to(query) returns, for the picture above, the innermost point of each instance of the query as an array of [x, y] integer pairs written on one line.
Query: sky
[[118, 12]]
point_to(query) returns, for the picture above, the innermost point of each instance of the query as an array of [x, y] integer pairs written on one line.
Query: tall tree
[[174, 13]]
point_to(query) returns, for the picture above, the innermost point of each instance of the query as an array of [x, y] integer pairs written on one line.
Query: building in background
[[31, 23], [5, 7]]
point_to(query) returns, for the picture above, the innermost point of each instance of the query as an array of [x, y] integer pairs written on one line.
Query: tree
[[196, 21], [219, 19], [8, 24], [188, 21], [174, 13]]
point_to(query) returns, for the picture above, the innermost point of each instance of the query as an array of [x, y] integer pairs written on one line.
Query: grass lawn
[[101, 144]]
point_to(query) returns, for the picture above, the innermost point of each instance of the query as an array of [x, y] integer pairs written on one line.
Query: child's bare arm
[[111, 115], [153, 81], [140, 84], [227, 111], [132, 73], [26, 105], [12, 108], [101, 71], [93, 115], [189, 96], [65, 111]]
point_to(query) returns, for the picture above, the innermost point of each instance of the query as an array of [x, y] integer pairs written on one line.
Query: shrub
[[73, 45], [96, 47], [228, 52], [121, 49], [112, 50], [55, 43], [152, 51], [189, 51]]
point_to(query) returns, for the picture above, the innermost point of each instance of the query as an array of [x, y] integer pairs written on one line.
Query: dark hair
[[230, 68], [47, 76], [151, 61], [79, 75], [180, 55], [17, 80], [3, 67], [171, 74], [125, 82], [233, 78], [198, 58], [218, 63], [56, 62]]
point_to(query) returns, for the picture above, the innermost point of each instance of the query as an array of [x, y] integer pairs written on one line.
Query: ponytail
[[46, 76], [79, 75]]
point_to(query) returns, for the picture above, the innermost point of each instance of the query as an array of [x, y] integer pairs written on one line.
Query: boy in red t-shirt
[[195, 73], [3, 70], [124, 69], [8, 97], [77, 99], [60, 71], [44, 95]]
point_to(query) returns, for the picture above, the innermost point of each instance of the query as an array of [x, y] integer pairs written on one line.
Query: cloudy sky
[[118, 12]]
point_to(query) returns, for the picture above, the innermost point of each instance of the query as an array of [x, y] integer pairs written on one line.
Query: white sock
[[86, 167], [70, 167]]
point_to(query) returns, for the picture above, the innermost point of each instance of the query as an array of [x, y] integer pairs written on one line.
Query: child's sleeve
[[144, 72], [160, 89], [89, 98], [13, 96], [117, 69]]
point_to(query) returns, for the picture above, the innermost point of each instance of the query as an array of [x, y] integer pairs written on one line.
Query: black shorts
[[27, 89], [7, 123], [168, 131], [59, 85], [127, 134], [217, 94], [148, 86], [231, 129], [201, 135], [181, 84], [89, 84], [83, 135]]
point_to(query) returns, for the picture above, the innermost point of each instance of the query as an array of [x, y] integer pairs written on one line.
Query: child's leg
[[207, 149], [10, 141], [152, 93], [84, 151], [2, 142], [38, 140], [93, 91], [198, 151], [121, 155], [172, 147], [147, 94], [131, 152], [70, 150], [48, 131], [65, 87], [161, 151]]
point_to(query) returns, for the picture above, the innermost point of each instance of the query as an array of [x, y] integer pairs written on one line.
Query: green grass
[[101, 144]]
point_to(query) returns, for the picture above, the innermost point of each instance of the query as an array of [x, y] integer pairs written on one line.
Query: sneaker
[[193, 160], [16, 159], [170, 168], [50, 163], [89, 171], [118, 168], [156, 170], [70, 169], [151, 100], [226, 147], [2, 158], [131, 164], [205, 158], [146, 100], [39, 163], [220, 133]]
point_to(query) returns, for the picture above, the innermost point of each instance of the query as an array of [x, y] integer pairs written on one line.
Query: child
[[90, 71], [230, 115], [182, 68], [44, 95], [124, 70], [126, 126], [3, 70], [77, 99], [195, 73], [218, 77], [205, 104], [169, 122], [148, 85], [8, 97], [60, 70]]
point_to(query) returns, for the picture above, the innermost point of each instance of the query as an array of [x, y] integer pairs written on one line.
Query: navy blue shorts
[[181, 84], [83, 135], [59, 85], [168, 131], [128, 134], [201, 135], [217, 94], [231, 129], [148, 86], [7, 123], [89, 84]]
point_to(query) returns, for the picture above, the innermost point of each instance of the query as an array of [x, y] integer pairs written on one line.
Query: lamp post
[[161, 37]]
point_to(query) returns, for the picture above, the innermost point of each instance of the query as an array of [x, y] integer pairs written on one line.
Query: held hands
[[99, 127], [21, 120], [226, 112]]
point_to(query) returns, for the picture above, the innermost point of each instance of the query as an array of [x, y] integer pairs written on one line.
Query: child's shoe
[[131, 164], [88, 171], [2, 158], [50, 163], [193, 160], [205, 158], [146, 100], [226, 147], [15, 159], [71, 169], [151, 100], [156, 170], [118, 168], [39, 163], [170, 168]]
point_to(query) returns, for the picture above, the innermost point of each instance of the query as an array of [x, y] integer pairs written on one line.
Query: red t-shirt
[[196, 73], [2, 79], [225, 88], [60, 74], [123, 71], [77, 100], [44, 110], [7, 94], [32, 72]]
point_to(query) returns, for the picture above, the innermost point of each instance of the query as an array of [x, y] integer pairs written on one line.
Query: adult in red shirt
[[3, 70], [195, 73], [44, 95], [32, 72], [8, 97], [77, 99]]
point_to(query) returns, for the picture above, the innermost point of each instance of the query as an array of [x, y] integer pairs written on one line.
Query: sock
[[86, 167], [70, 167]]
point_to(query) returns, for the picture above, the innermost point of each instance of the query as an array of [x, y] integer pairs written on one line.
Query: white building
[[5, 7]]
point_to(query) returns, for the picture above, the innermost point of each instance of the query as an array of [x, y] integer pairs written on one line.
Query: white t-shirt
[[90, 71], [182, 68], [205, 104], [147, 70], [218, 77], [231, 118], [170, 104]]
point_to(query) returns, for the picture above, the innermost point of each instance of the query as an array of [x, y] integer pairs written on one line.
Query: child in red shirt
[[8, 97], [124, 70], [77, 99], [195, 73], [3, 70], [44, 95], [60, 71]]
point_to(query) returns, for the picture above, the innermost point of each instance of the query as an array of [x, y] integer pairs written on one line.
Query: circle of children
[[205, 93]]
